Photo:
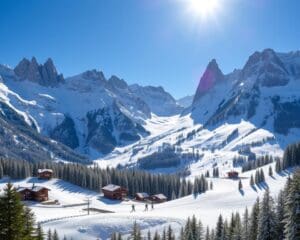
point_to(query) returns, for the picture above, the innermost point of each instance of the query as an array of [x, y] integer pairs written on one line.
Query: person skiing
[[152, 205], [132, 208], [146, 207]]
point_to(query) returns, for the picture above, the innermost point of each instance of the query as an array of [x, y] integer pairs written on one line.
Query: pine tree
[[12, 221], [240, 185], [156, 236], [164, 235], [267, 218], [207, 234], [237, 231], [49, 235], [246, 225], [280, 214], [226, 231], [55, 235], [270, 171], [278, 165], [29, 223], [194, 228], [136, 232], [40, 233], [292, 215], [113, 236], [170, 235], [251, 181], [262, 175], [254, 221], [219, 229]]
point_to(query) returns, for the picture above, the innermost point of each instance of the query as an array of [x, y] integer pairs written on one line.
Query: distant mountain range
[[88, 116]]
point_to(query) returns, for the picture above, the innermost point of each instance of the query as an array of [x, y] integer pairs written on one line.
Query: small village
[[110, 191]]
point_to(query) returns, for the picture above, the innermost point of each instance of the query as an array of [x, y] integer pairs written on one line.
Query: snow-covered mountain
[[265, 92], [185, 101], [253, 110], [160, 102], [86, 112]]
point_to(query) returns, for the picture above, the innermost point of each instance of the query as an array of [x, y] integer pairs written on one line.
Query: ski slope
[[224, 199]]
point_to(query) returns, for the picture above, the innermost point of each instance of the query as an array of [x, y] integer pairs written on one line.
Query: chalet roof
[[232, 171], [142, 195], [160, 196], [45, 170], [32, 189], [111, 187]]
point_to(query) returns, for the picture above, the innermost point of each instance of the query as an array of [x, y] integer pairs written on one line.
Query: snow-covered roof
[[111, 187], [160, 196], [142, 195], [33, 188], [45, 170]]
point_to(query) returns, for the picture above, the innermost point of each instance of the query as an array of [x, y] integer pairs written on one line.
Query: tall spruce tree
[[13, 222], [220, 229], [254, 221], [292, 214], [267, 221]]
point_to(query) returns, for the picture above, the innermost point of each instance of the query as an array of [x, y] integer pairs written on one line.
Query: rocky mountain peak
[[43, 74], [211, 76], [94, 75], [266, 68], [116, 82]]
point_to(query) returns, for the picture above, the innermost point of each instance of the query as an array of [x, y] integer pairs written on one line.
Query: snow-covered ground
[[225, 198], [216, 146]]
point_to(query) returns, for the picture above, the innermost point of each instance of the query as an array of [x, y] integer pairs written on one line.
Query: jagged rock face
[[211, 76], [94, 75], [109, 127], [267, 69], [249, 93], [117, 83], [44, 74], [66, 133], [160, 102], [287, 115], [20, 141]]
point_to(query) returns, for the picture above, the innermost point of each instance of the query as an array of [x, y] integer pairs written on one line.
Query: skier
[[132, 208], [152, 205], [146, 207]]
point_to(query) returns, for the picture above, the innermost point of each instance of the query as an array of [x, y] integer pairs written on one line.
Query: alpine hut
[[114, 192]]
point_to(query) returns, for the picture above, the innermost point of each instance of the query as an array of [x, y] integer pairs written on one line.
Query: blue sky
[[150, 42]]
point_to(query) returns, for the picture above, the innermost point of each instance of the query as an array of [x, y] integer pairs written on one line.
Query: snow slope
[[225, 198]]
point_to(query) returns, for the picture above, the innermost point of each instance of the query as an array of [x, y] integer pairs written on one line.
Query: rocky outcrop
[[160, 102], [66, 133], [209, 79], [43, 74], [266, 68], [109, 127]]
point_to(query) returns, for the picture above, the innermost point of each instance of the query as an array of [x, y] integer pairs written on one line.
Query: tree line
[[291, 157], [94, 178]]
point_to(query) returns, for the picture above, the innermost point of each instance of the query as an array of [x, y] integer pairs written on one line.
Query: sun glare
[[203, 8]]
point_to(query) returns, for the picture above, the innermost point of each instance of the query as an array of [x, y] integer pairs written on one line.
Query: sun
[[203, 8]]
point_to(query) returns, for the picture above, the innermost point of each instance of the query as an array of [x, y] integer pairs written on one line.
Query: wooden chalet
[[34, 193], [142, 196], [114, 192], [158, 198], [45, 173], [233, 174]]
